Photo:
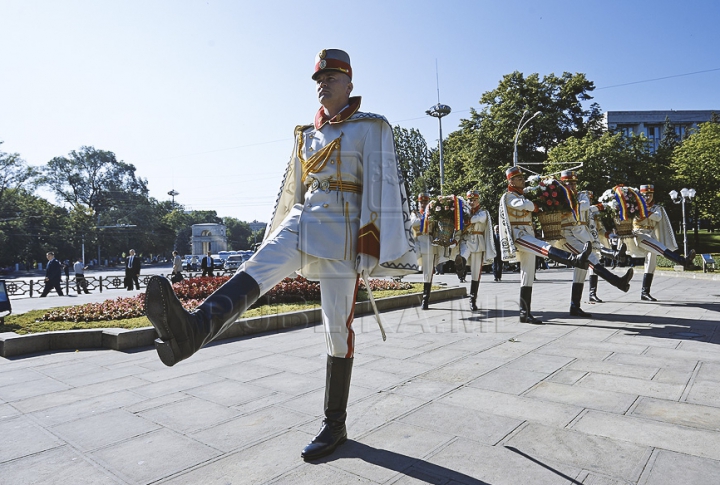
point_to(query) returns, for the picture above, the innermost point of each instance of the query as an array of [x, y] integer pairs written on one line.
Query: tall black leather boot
[[576, 261], [593, 289], [686, 261], [337, 388], [575, 297], [473, 294], [525, 301], [426, 296], [460, 268], [621, 283], [183, 333], [647, 283]]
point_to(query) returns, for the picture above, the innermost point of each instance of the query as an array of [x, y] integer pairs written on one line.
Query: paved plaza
[[631, 396]]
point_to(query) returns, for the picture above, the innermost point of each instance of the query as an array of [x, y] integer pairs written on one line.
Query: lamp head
[[674, 195], [691, 193]]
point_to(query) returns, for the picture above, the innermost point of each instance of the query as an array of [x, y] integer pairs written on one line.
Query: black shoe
[[331, 436], [647, 283], [333, 432], [576, 296], [183, 333], [525, 303], [576, 311]]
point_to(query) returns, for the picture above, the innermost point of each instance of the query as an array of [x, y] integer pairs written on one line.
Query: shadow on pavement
[[407, 465]]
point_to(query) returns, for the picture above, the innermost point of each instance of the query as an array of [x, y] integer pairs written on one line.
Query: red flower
[[549, 202], [546, 194], [554, 194], [557, 202]]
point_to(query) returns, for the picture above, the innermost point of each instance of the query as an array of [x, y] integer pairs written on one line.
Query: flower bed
[[193, 291]]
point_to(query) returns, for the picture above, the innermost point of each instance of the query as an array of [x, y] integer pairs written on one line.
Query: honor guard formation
[[342, 214]]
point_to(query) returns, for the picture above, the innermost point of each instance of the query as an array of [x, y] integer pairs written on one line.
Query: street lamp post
[[172, 194], [680, 199], [521, 125], [438, 111]]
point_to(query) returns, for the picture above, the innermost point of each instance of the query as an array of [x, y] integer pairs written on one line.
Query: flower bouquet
[[554, 200], [447, 212], [625, 204]]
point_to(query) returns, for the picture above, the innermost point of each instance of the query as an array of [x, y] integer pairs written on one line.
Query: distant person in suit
[[132, 271], [207, 265], [177, 268], [53, 276]]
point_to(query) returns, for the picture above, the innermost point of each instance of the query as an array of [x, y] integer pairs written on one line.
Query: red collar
[[352, 107], [512, 188]]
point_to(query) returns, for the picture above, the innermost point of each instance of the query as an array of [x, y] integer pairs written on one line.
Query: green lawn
[[29, 322], [709, 241]]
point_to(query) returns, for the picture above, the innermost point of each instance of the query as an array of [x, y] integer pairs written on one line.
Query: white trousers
[[476, 260], [575, 246], [529, 248], [280, 257]]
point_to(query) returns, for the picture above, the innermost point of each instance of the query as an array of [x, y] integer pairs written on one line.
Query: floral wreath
[[551, 195], [444, 207]]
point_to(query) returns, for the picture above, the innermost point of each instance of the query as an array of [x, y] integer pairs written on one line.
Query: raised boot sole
[[156, 309]]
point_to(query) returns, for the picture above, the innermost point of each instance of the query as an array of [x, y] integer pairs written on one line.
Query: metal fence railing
[[34, 286]]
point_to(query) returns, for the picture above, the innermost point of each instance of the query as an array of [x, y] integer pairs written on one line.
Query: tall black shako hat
[[332, 60]]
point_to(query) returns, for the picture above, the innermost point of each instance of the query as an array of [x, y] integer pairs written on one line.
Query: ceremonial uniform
[[428, 254], [576, 236], [341, 212], [654, 236], [518, 241], [476, 245]]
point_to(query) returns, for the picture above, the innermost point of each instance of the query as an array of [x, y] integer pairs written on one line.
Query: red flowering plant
[[551, 195]]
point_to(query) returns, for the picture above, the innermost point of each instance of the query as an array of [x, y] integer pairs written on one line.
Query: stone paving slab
[[450, 398]]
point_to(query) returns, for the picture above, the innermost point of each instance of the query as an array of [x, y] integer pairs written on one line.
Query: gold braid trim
[[318, 161]]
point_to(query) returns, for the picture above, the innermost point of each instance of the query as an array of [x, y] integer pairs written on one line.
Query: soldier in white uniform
[[654, 236], [477, 245], [429, 248], [601, 245], [341, 212], [518, 241], [577, 235]]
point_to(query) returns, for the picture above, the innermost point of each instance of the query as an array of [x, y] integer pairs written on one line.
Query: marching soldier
[[430, 249], [518, 241], [654, 236], [477, 245], [340, 213], [576, 235]]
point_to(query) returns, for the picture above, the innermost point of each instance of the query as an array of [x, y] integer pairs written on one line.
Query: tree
[[607, 160], [93, 178], [696, 164], [14, 173], [238, 234], [38, 227], [477, 155], [413, 159]]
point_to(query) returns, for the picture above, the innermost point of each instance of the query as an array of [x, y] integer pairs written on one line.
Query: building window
[[680, 131], [626, 131]]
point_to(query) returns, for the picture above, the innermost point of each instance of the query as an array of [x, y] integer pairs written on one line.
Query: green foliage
[[476, 156], [239, 234], [607, 160], [413, 158], [696, 164]]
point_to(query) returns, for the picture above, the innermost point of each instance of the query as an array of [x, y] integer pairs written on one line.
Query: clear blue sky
[[203, 96]]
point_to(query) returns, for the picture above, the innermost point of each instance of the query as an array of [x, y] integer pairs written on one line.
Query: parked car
[[191, 263], [217, 262], [232, 263]]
